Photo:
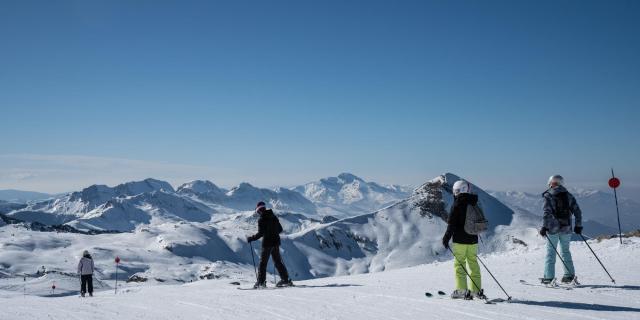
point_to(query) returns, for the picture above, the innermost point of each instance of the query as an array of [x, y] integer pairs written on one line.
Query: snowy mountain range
[[347, 194], [204, 226], [598, 209], [19, 196]]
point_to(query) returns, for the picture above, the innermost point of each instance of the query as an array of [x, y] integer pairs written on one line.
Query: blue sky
[[504, 93]]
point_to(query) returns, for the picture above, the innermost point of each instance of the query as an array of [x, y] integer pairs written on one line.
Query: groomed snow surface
[[394, 294]]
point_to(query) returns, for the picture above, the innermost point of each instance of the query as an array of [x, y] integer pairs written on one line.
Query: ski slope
[[394, 294]]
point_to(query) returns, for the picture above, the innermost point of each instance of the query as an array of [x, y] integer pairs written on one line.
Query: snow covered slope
[[598, 208], [397, 294], [347, 195]]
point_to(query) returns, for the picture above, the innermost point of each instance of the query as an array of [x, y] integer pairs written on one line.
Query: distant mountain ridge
[[19, 196], [347, 195], [597, 206]]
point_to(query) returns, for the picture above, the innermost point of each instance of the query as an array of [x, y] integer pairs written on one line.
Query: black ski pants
[[274, 252], [86, 283]]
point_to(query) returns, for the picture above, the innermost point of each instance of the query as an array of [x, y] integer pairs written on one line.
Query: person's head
[[461, 187], [85, 253], [261, 206], [555, 181]]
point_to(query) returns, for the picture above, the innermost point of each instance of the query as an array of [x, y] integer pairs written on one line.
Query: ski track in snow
[[394, 294]]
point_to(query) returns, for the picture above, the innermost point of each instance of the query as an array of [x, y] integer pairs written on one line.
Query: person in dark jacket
[[559, 206], [465, 246], [269, 229], [85, 270]]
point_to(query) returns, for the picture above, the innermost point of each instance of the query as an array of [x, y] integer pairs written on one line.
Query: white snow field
[[394, 294]]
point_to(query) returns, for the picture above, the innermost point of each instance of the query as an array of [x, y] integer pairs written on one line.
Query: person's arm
[[547, 214], [80, 267], [92, 266], [577, 213], [260, 231], [453, 216]]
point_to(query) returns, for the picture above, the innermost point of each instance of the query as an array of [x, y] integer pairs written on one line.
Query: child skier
[[559, 205], [269, 228], [465, 246], [85, 270]]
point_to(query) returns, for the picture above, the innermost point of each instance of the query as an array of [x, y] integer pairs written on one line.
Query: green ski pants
[[466, 257]]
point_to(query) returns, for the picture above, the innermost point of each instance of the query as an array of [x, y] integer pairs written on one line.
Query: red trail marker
[[614, 183]]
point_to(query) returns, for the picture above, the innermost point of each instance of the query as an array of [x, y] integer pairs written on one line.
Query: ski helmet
[[556, 179], [261, 205], [85, 253], [461, 186]]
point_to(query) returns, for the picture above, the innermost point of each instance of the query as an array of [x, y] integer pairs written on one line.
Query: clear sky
[[504, 93]]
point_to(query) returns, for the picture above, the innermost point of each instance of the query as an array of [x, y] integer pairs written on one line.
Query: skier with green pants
[[465, 246]]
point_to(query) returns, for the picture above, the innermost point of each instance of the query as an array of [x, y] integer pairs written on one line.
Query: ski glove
[[543, 231], [249, 239], [577, 230]]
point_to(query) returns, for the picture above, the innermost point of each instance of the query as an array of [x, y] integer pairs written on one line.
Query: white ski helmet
[[461, 186], [556, 179]]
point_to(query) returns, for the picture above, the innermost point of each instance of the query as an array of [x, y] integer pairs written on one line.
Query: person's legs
[[83, 284], [90, 284], [264, 259], [474, 269], [550, 258], [459, 260], [277, 260], [565, 241]]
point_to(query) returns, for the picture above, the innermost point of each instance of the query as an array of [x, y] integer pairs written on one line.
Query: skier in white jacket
[[85, 270]]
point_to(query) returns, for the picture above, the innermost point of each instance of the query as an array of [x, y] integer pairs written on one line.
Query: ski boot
[[547, 282], [461, 294], [284, 283], [570, 280], [260, 285], [479, 295]]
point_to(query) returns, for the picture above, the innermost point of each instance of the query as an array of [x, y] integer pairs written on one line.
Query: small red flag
[[117, 259]]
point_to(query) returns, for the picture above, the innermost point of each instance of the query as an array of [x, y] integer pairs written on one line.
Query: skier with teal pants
[[465, 246], [559, 206]]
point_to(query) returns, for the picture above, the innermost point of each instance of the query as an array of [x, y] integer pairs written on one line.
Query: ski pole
[[594, 254], [494, 278], [255, 271], [612, 184], [558, 253], [465, 271]]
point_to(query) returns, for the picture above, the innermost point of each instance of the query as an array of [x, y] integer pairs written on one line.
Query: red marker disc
[[614, 182], [117, 259]]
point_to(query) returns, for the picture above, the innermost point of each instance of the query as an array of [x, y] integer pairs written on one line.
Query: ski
[[269, 288], [552, 285], [430, 295]]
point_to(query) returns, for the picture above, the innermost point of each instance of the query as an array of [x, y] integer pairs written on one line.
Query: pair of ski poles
[[587, 243]]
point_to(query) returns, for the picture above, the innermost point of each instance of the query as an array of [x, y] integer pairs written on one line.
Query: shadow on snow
[[577, 305]]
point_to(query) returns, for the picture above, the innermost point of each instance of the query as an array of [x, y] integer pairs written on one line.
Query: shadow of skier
[[608, 286], [333, 285], [577, 305]]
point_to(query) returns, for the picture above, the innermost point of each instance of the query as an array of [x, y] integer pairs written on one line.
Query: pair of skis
[[442, 294]]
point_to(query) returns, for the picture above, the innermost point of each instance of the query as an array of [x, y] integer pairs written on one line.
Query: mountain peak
[[349, 177]]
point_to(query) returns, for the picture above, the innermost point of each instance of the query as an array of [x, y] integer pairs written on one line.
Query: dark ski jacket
[[457, 217], [549, 220], [269, 227]]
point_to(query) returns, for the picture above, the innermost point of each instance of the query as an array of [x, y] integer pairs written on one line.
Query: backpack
[[562, 210], [475, 222]]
